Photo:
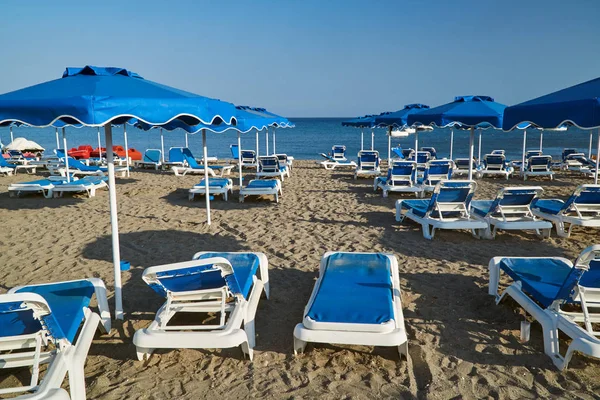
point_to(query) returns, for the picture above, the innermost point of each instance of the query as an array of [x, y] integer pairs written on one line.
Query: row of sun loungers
[[57, 186], [356, 300]]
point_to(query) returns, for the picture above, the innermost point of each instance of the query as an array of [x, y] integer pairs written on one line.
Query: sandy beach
[[461, 344]]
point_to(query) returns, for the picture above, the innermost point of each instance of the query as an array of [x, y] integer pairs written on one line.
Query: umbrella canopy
[[22, 144], [366, 121], [106, 96], [94, 96], [398, 119], [464, 112], [577, 105]]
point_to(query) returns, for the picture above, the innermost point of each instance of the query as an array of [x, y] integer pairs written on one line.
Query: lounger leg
[[543, 233], [190, 196], [427, 233], [241, 198], [385, 193], [143, 353], [403, 350], [494, 271], [247, 350], [299, 346], [560, 229], [399, 217], [276, 198]]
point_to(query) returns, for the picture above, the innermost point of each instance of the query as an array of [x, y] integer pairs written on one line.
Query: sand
[[461, 344]]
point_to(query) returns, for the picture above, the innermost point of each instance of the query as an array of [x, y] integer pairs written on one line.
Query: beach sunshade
[[577, 105], [22, 144], [106, 96], [464, 112]]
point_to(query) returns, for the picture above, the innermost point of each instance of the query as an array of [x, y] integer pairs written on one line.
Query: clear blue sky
[[313, 57]]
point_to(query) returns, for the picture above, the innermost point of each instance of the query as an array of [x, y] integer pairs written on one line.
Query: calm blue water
[[315, 135]]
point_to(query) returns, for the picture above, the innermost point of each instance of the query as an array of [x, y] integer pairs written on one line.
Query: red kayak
[[82, 152]]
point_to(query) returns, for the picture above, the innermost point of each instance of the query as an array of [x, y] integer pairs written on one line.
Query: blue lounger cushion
[[481, 207], [266, 183], [67, 301], [244, 266], [418, 206], [214, 182], [17, 323], [43, 182], [355, 288], [549, 206]]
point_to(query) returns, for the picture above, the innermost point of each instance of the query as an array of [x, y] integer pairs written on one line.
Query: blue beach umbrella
[[466, 112], [106, 96], [577, 105], [398, 119]]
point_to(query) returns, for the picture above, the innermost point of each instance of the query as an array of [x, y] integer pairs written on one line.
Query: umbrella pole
[[126, 148], [162, 146], [541, 140], [240, 156], [372, 139], [589, 150], [451, 141], [362, 139], [524, 147], [99, 146], [12, 139], [597, 159], [206, 182], [479, 151], [267, 142], [66, 155], [257, 147], [274, 151], [389, 146], [471, 151], [416, 142], [57, 139], [114, 223], [186, 140]]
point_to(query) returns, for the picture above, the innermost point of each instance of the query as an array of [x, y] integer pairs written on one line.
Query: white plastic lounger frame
[[434, 217], [79, 186], [539, 166], [47, 189], [146, 161], [235, 311], [214, 172], [331, 164], [367, 167], [512, 216], [270, 167], [261, 191], [577, 214], [461, 166], [66, 357], [552, 319], [6, 171], [402, 178], [495, 164], [391, 333], [213, 190]]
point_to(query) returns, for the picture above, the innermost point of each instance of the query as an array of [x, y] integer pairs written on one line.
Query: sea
[[312, 136]]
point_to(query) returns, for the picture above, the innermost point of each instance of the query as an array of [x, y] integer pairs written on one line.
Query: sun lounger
[[421, 158], [228, 284], [221, 186], [368, 164], [435, 171], [510, 210], [176, 158], [461, 167], [355, 301], [6, 166], [529, 153], [431, 151], [542, 285], [498, 152], [448, 208], [538, 165], [401, 178], [262, 187], [32, 317], [494, 165], [87, 184], [192, 166], [286, 160], [338, 152], [269, 167], [330, 163], [76, 167], [152, 159], [44, 186], [581, 209], [248, 157]]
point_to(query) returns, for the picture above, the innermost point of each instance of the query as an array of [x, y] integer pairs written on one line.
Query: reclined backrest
[[190, 159], [539, 162], [408, 153], [368, 158], [176, 155], [235, 151], [531, 153], [498, 152], [152, 156], [268, 164], [423, 157], [586, 198], [248, 156], [438, 169], [567, 152], [452, 196], [463, 163], [402, 172], [495, 161], [76, 164], [588, 256], [431, 151], [515, 200], [338, 151]]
